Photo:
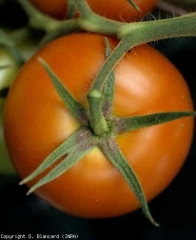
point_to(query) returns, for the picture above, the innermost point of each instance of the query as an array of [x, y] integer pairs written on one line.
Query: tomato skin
[[36, 122], [119, 10]]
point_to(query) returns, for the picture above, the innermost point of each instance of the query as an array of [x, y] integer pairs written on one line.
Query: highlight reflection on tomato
[[36, 121]]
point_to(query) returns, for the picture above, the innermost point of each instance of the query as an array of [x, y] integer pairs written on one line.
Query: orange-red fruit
[[36, 121], [120, 10]]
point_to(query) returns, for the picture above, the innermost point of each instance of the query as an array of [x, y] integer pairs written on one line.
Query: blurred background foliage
[[174, 209]]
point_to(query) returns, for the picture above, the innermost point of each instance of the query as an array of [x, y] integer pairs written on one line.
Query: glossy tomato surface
[[120, 10], [36, 121]]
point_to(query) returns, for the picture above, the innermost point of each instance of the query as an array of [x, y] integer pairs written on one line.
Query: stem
[[9, 44], [116, 55], [20, 35], [42, 21], [70, 9], [95, 97], [93, 22], [36, 18], [83, 7], [108, 90], [97, 120], [63, 28], [143, 32]]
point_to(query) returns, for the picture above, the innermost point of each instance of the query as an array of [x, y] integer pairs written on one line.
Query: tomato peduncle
[[97, 120], [133, 33], [101, 100], [143, 32]]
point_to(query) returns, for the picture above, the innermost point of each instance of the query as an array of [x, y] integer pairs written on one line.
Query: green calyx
[[99, 128]]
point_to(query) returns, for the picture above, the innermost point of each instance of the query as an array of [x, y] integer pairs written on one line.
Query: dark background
[[174, 209]]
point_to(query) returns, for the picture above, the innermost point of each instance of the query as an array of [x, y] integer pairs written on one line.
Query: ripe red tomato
[[36, 121], [120, 10]]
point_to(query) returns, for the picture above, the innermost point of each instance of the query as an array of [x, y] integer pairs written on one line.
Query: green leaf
[[83, 147], [69, 145], [136, 122], [116, 157], [77, 110], [134, 5]]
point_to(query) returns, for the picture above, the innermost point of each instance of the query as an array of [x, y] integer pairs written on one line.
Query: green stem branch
[[44, 22], [9, 44], [115, 56], [93, 22], [36, 18], [143, 32], [97, 120]]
